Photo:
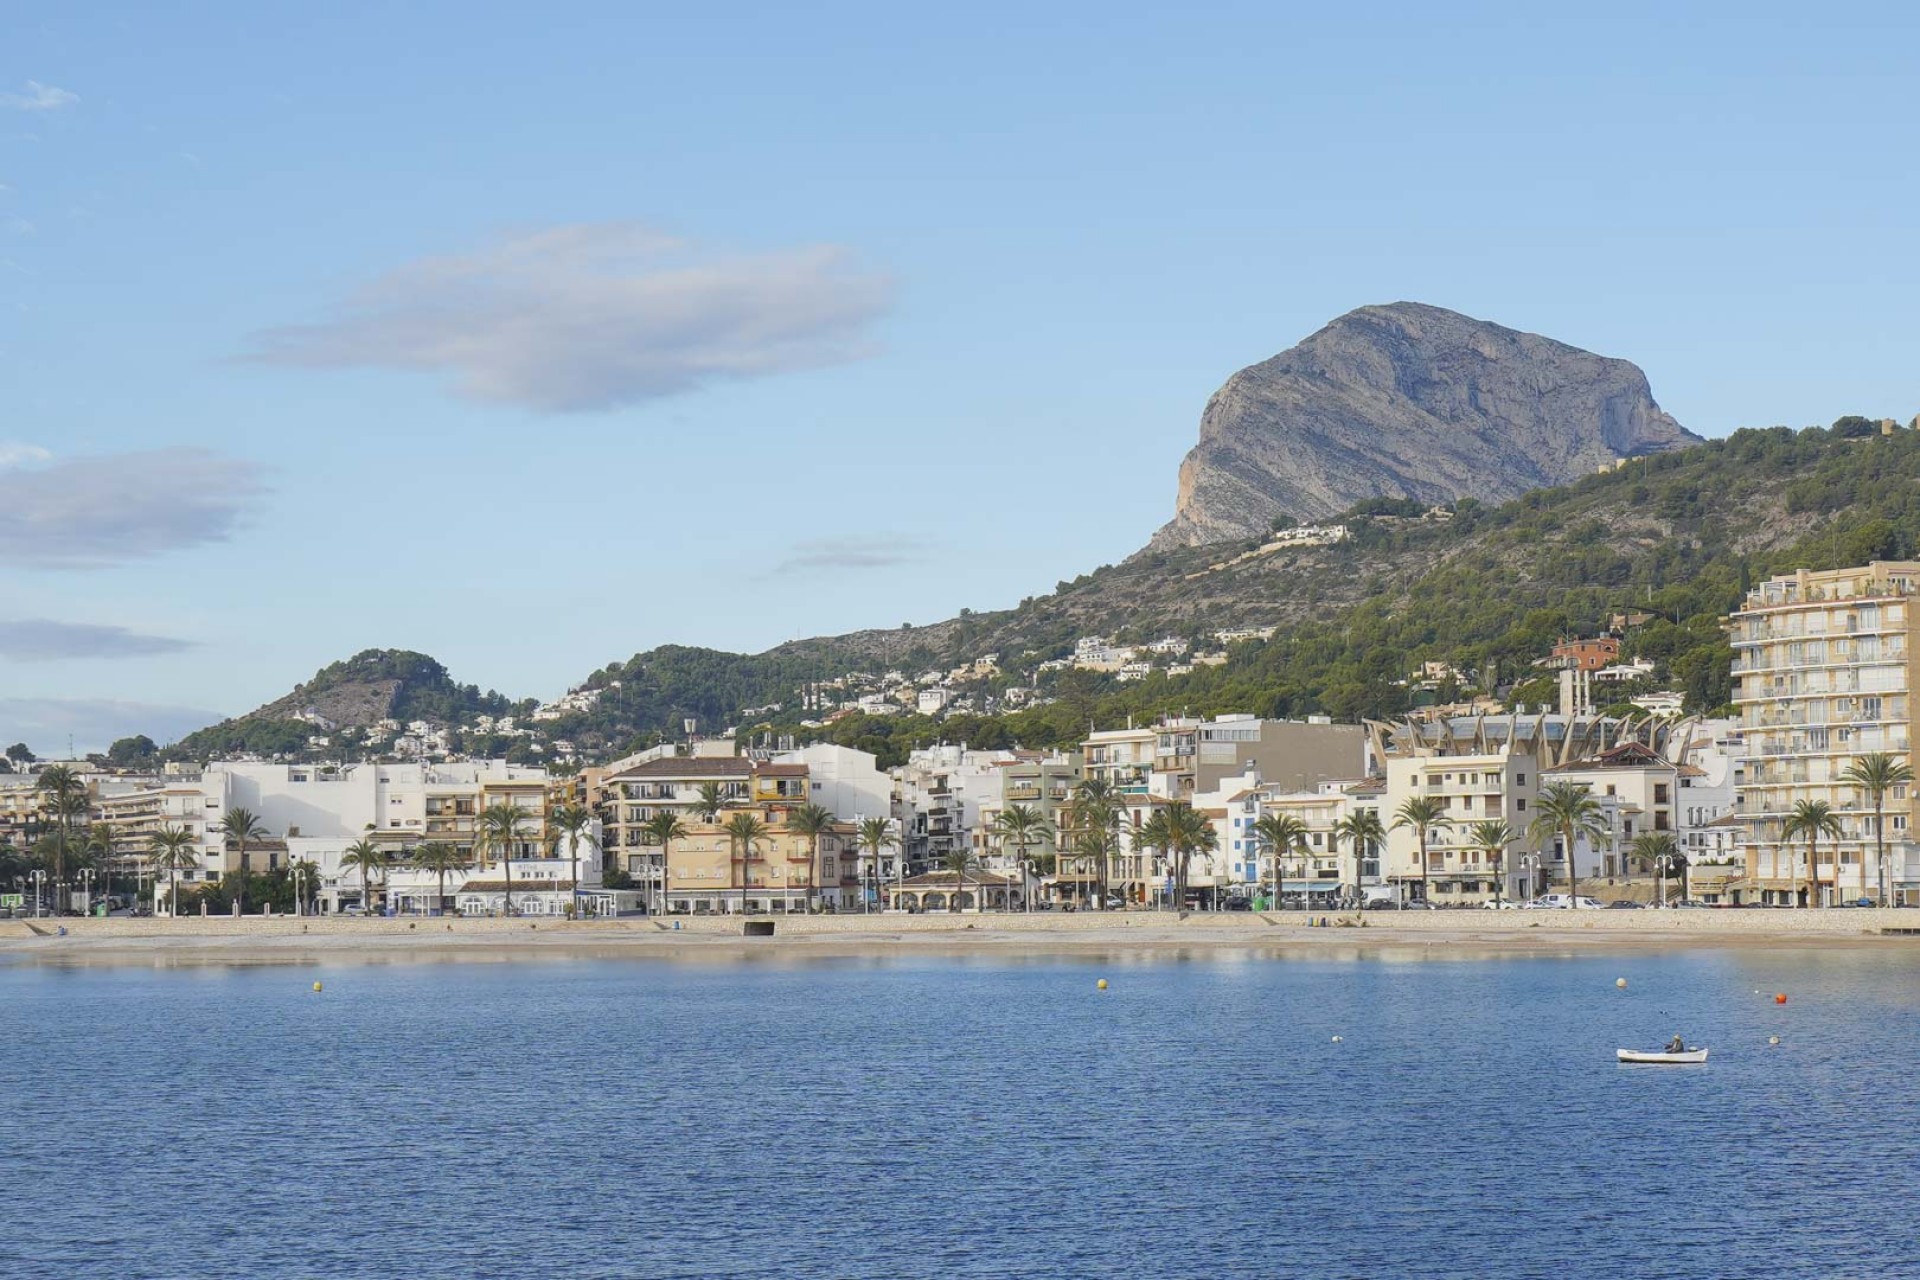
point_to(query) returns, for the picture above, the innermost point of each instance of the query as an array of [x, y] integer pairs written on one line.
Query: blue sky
[[531, 337]]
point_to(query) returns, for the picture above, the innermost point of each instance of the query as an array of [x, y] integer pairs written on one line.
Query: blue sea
[[961, 1118]]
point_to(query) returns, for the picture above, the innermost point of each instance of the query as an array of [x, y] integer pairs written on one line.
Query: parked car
[[1561, 902], [1623, 904], [1504, 904], [1383, 904]]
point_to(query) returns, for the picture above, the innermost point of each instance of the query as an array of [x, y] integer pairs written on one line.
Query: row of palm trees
[[1875, 774], [1568, 811], [747, 832], [500, 829]]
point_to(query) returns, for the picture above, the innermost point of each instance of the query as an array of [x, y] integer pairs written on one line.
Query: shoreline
[[330, 940]]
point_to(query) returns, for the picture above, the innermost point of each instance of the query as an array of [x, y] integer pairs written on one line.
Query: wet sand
[[1145, 935]]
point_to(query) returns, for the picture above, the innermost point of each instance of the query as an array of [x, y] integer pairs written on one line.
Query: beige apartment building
[[1823, 672], [709, 872]]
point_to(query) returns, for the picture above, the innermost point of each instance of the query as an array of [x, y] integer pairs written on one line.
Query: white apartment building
[[1493, 769], [847, 783], [312, 813], [939, 797], [1322, 873], [1823, 674]]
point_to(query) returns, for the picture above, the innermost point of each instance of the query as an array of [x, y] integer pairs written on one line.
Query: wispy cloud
[[47, 724], [842, 554], [39, 97], [42, 640], [597, 316], [17, 453], [86, 513]]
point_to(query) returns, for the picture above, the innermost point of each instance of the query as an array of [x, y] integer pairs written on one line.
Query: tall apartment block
[[1823, 673]]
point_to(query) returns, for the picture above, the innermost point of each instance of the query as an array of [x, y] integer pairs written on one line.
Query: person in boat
[[1676, 1045]]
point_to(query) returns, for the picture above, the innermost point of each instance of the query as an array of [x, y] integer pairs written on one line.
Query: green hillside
[[1676, 536], [374, 685]]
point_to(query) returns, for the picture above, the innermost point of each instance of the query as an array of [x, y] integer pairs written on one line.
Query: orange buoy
[[1780, 999]]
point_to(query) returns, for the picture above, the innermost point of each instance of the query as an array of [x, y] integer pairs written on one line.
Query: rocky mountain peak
[[1406, 400]]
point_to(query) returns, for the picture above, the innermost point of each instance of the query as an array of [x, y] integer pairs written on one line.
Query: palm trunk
[[573, 846], [1879, 854], [1423, 865], [1573, 874], [506, 871]]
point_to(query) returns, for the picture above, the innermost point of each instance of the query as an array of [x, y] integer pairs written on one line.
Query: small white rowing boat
[[1634, 1055]]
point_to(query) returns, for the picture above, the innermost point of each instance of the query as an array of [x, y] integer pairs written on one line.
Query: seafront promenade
[[263, 938]]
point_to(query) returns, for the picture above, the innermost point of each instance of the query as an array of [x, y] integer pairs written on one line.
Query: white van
[[1561, 902]]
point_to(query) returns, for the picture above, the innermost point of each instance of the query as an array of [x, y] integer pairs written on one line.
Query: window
[[1520, 806]]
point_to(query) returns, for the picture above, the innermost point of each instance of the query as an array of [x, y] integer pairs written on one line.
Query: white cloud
[[85, 513], [39, 97], [597, 316], [42, 640]]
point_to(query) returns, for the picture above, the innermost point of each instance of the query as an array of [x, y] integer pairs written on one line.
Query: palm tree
[[1098, 845], [1568, 810], [241, 826], [1096, 813], [1023, 825], [437, 857], [62, 787], [1423, 814], [663, 828], [99, 848], [811, 821], [745, 831], [1876, 774], [1156, 833], [498, 833], [1813, 819], [574, 821], [1363, 828], [171, 851], [959, 861], [1189, 832], [1491, 839], [712, 797], [1654, 849], [371, 859], [1280, 834], [876, 836]]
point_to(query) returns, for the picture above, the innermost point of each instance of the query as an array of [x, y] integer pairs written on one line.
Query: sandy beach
[[287, 940]]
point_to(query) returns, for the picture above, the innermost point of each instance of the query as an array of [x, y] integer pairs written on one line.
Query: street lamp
[[39, 878]]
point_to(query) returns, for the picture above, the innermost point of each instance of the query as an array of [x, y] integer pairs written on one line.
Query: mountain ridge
[[1677, 534], [1407, 400]]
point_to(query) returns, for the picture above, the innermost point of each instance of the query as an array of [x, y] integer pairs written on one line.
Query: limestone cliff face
[[1407, 401]]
